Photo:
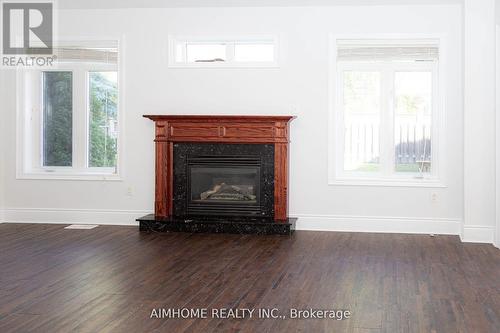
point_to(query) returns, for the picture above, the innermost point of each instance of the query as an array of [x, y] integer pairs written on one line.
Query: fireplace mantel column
[[163, 170], [281, 172]]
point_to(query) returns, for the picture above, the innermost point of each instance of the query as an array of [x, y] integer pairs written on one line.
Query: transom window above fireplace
[[220, 51]]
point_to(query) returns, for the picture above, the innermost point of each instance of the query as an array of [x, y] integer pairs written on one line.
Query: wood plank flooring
[[110, 278]]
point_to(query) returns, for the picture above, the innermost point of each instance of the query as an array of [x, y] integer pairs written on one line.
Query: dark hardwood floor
[[110, 278]]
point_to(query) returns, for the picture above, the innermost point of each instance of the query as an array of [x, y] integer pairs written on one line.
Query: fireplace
[[223, 180], [221, 174], [226, 185]]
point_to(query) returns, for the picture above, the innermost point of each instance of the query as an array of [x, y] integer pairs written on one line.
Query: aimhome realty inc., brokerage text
[[248, 313]]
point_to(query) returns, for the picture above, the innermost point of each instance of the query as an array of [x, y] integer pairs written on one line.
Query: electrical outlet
[[130, 191], [434, 198]]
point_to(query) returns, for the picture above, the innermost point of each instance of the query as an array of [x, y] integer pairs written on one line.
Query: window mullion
[[340, 123], [391, 116], [184, 52], [387, 122], [79, 118], [36, 119], [435, 122], [230, 52]]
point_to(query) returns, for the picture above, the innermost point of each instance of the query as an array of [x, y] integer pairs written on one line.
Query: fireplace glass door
[[224, 185]]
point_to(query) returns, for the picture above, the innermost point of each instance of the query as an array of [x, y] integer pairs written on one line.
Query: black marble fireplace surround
[[232, 164], [227, 217]]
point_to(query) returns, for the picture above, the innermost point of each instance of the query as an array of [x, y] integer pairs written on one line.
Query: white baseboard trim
[[478, 234], [73, 216], [407, 225]]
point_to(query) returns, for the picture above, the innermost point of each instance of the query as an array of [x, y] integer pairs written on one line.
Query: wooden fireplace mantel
[[225, 129]]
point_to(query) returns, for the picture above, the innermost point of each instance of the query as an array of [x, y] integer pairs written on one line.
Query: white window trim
[[336, 174], [173, 39], [28, 166]]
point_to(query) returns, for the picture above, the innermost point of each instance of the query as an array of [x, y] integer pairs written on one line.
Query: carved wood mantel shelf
[[224, 129]]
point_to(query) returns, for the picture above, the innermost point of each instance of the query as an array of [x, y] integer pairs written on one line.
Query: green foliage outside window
[[103, 122], [57, 118]]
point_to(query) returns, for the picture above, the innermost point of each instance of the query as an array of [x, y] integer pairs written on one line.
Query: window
[[386, 111], [57, 118], [223, 52], [103, 119], [70, 115]]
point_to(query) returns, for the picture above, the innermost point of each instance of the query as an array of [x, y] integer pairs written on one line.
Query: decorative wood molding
[[223, 129]]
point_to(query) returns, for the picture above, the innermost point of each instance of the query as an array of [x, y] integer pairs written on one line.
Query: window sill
[[69, 176], [429, 183]]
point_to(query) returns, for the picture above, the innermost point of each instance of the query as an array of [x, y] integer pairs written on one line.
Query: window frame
[[387, 176], [30, 125], [174, 40]]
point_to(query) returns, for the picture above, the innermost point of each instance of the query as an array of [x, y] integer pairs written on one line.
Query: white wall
[[497, 11], [3, 154], [497, 234], [86, 4], [299, 87], [479, 111]]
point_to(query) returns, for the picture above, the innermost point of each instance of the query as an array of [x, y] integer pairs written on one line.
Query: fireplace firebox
[[223, 180], [223, 185], [221, 174]]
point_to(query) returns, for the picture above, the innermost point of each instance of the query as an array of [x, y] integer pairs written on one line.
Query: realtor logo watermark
[[27, 33]]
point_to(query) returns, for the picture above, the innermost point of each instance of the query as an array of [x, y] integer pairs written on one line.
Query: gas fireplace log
[[229, 192]]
